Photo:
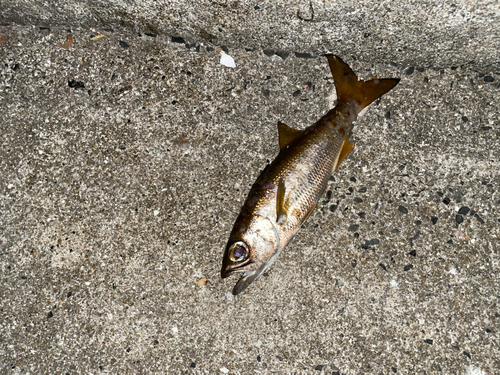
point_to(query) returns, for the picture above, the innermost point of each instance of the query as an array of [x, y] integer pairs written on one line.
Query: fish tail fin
[[349, 88]]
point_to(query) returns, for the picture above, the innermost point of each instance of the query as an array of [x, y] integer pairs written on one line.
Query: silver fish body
[[287, 191]]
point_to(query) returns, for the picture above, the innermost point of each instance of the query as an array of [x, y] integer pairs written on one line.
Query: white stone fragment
[[227, 60], [156, 212], [472, 370], [224, 370]]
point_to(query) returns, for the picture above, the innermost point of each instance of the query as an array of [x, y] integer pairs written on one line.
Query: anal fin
[[345, 150], [308, 213]]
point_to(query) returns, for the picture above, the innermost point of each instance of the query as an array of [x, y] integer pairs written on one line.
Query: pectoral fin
[[281, 205], [287, 134], [346, 149]]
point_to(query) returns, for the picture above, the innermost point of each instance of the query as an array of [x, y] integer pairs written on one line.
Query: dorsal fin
[[287, 134]]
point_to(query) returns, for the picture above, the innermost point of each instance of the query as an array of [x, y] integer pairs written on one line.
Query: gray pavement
[[126, 155]]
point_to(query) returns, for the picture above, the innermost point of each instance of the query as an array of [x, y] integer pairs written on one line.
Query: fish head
[[252, 247]]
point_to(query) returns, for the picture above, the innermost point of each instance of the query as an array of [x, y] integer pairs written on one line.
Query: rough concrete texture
[[433, 34], [125, 159]]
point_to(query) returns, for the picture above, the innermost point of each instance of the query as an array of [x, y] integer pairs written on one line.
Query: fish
[[287, 191]]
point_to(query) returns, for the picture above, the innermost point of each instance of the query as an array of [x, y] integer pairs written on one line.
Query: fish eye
[[238, 251]]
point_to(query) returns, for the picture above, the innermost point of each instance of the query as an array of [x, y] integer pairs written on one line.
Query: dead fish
[[287, 191]]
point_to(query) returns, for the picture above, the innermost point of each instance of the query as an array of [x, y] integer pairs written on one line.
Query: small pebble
[[403, 209], [463, 210]]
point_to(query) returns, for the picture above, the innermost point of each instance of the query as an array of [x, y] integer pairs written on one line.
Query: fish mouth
[[228, 269], [247, 276], [245, 280]]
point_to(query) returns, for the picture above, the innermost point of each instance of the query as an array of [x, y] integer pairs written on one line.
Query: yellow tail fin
[[349, 88]]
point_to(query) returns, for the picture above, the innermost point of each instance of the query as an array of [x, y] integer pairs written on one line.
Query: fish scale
[[287, 191]]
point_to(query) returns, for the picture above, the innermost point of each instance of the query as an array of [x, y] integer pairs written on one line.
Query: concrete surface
[[124, 160], [433, 34]]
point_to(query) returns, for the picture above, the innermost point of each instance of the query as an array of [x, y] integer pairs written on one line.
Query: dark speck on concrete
[[467, 354], [50, 314], [408, 267], [489, 79], [301, 55], [388, 115], [178, 39], [69, 294], [409, 71], [353, 228], [416, 236], [358, 200], [446, 200], [403, 209], [353, 179], [434, 220], [417, 222], [76, 84], [124, 44], [192, 365], [449, 242], [333, 207], [319, 367], [463, 210], [465, 119], [282, 54], [362, 215], [258, 358], [268, 52], [481, 221], [382, 265], [429, 341], [413, 253], [368, 243], [362, 189], [459, 219], [296, 93], [420, 69]]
